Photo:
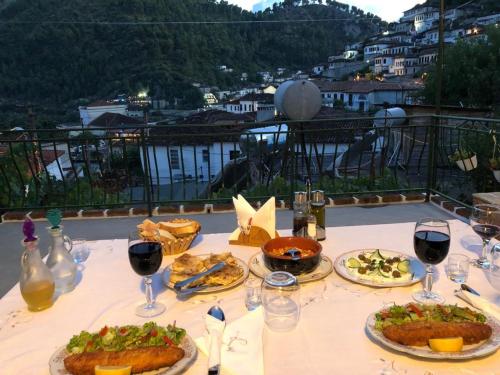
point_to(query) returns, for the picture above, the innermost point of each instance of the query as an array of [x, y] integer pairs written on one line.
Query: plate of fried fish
[[447, 332], [234, 272]]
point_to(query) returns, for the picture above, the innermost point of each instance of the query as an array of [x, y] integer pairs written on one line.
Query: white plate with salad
[[379, 268]]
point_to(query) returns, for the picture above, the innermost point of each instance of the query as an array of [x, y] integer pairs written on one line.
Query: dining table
[[330, 337]]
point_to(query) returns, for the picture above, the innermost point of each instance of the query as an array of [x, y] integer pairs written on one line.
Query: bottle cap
[[318, 196], [300, 197]]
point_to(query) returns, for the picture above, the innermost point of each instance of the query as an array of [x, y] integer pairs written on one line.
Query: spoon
[[215, 340]]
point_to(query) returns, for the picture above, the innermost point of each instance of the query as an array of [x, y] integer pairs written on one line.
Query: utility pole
[[440, 60]]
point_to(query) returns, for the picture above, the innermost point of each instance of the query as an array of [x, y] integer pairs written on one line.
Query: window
[[350, 99], [342, 97], [335, 96], [205, 155], [233, 154], [174, 159]]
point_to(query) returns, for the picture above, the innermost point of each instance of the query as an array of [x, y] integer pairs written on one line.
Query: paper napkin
[[241, 352], [479, 303], [264, 218]]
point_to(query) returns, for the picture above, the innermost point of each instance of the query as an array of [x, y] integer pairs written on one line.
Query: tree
[[471, 74]]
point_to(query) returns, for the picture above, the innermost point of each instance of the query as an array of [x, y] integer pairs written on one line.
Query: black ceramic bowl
[[295, 265]]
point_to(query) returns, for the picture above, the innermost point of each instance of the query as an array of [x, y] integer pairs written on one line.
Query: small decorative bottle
[[300, 214], [60, 261], [36, 281], [318, 210]]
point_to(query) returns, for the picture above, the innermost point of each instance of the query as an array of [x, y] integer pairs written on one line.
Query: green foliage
[[67, 63], [471, 74]]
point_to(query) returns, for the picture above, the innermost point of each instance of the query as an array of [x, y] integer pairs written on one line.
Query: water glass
[[253, 288], [80, 250], [281, 301], [458, 268]]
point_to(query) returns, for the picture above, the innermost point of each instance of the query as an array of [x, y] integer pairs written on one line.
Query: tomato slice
[[123, 331], [167, 341], [103, 331], [415, 309], [154, 333]]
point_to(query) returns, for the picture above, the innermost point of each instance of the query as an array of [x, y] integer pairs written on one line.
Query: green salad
[[414, 312], [126, 337]]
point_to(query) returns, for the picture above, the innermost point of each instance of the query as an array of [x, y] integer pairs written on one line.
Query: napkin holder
[[257, 237]]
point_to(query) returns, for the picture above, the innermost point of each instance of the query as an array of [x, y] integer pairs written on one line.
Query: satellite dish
[[298, 100]]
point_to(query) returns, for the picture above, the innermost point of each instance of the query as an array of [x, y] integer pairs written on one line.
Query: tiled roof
[[112, 120], [362, 87], [253, 97]]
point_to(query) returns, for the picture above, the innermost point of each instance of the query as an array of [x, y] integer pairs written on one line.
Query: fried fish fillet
[[188, 264], [141, 359], [419, 333]]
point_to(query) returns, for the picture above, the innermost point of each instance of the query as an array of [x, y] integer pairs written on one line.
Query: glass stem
[[484, 255], [149, 292], [428, 280]]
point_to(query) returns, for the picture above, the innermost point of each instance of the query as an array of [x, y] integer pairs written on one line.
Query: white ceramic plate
[[210, 289], [417, 269], [325, 267], [56, 362], [469, 351]]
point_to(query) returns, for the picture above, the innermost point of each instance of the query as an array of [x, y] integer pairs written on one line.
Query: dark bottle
[[318, 210], [300, 214]]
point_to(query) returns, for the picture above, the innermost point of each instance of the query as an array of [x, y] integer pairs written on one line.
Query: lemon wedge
[[452, 344], [112, 370]]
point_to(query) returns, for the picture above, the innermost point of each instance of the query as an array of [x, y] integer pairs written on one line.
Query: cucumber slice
[[385, 274], [404, 266], [353, 263], [376, 255]]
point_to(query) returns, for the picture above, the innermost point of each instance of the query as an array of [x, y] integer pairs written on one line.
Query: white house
[[405, 65], [411, 14], [383, 64], [453, 14], [492, 19], [319, 68], [374, 48], [425, 21], [210, 99], [431, 36], [428, 55], [94, 110], [249, 103], [364, 95]]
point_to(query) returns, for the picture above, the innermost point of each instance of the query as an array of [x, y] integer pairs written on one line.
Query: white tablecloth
[[330, 338]]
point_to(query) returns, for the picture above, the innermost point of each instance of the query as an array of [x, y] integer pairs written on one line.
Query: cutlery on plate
[[215, 329], [184, 283], [469, 289]]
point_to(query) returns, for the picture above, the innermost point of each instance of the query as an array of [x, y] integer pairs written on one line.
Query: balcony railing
[[161, 165]]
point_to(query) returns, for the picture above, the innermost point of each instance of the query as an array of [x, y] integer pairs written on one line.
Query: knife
[[469, 289], [178, 286]]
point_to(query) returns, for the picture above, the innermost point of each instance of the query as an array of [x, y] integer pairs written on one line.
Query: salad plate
[[325, 267], [480, 349], [56, 362], [384, 263]]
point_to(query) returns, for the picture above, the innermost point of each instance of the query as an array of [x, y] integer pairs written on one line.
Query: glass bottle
[[318, 210], [36, 281], [311, 226], [60, 261], [300, 214]]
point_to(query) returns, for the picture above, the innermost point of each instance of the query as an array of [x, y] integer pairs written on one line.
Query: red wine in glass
[[431, 241], [431, 247], [145, 257], [484, 220], [486, 231]]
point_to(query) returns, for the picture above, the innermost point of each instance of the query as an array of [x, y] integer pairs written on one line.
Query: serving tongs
[[183, 286]]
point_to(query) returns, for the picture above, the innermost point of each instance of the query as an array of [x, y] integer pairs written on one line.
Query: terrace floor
[[108, 228]]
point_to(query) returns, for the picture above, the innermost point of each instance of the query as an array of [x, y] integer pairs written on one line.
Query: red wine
[[431, 247], [145, 257], [486, 231]]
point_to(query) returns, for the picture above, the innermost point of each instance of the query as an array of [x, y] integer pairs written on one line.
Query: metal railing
[[162, 165]]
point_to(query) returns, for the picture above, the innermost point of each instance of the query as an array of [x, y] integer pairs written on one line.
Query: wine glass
[[432, 243], [145, 256], [484, 220]]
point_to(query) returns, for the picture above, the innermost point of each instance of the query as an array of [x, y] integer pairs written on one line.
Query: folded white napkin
[[241, 352], [264, 217], [479, 303]]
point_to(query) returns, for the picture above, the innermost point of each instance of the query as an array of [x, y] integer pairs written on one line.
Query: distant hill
[[57, 52]]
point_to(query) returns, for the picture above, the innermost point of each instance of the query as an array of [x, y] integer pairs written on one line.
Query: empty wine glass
[[484, 220], [432, 243], [145, 256]]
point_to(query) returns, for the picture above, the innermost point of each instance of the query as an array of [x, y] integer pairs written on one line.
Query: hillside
[[57, 52]]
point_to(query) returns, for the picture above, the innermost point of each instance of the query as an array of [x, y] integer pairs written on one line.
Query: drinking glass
[[80, 250], [484, 220], [458, 268], [281, 301], [145, 256], [252, 293], [432, 243]]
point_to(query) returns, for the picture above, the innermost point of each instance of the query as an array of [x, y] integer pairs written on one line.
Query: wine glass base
[[482, 263], [148, 311], [428, 297]]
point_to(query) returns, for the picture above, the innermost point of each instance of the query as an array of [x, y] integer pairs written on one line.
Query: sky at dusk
[[388, 10]]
